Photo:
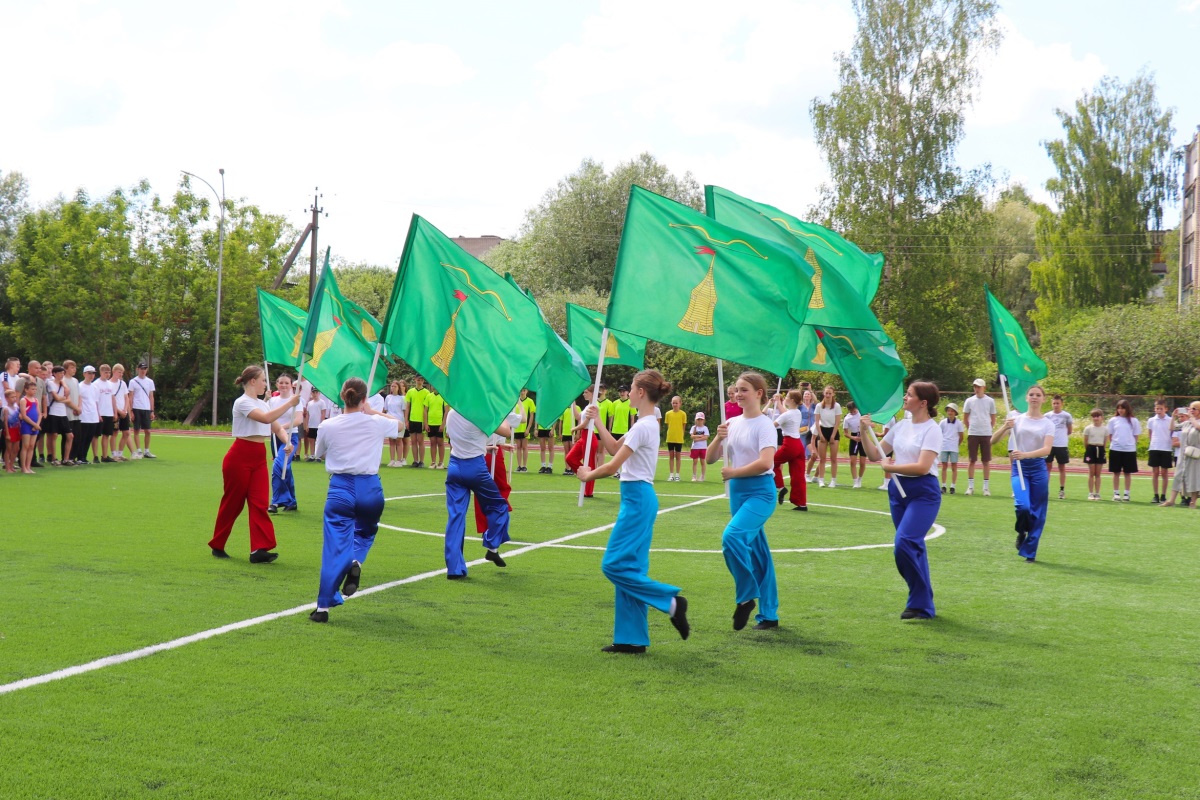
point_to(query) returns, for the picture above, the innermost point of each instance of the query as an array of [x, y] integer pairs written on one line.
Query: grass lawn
[[1075, 677]]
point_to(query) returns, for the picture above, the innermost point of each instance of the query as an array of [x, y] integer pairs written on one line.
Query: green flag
[[691, 282], [584, 329], [860, 269], [465, 329], [560, 376], [1016, 360], [339, 340], [282, 326], [870, 367]]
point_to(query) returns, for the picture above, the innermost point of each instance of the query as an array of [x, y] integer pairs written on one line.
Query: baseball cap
[[142, 365], [700, 415], [979, 382], [89, 368]]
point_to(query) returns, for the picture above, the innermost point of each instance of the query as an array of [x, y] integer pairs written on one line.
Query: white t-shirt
[[1124, 432], [699, 444], [950, 431], [852, 423], [512, 420], [827, 417], [1160, 432], [378, 402], [316, 413], [397, 406], [909, 438], [658, 413], [278, 400], [1029, 434], [642, 439], [981, 410], [352, 444], [107, 392], [142, 389], [242, 424], [1060, 419], [72, 385], [89, 402], [57, 408], [790, 422], [747, 438], [467, 439], [122, 392], [1012, 440]]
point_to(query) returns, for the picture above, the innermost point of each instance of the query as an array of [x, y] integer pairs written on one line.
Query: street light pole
[[220, 270]]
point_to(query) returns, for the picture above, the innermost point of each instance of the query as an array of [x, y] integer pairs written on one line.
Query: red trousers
[[500, 475], [792, 454], [575, 459], [247, 481]]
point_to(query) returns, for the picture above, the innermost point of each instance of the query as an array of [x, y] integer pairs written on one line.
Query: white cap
[[699, 415], [89, 368], [979, 382]]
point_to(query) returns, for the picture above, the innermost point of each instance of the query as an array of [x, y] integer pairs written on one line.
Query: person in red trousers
[[791, 452], [247, 476], [575, 457], [494, 458]]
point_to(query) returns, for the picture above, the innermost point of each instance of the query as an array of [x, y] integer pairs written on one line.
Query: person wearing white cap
[[952, 436], [979, 414], [89, 414], [699, 434], [142, 388]]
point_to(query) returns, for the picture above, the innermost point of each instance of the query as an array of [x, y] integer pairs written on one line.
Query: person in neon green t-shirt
[[435, 416], [416, 419], [566, 426], [621, 414], [605, 407]]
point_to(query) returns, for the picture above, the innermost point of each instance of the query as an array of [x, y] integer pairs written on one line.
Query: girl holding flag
[[1032, 438], [627, 556], [283, 483], [749, 469]]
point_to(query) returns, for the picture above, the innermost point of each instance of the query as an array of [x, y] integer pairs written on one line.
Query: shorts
[[979, 448], [543, 433], [1122, 461], [567, 440], [1162, 459], [106, 426], [435, 431], [699, 452], [829, 434], [948, 457], [856, 448], [14, 433], [1094, 454], [416, 427], [674, 447], [122, 423], [141, 419], [1060, 454], [311, 433], [26, 429], [57, 425], [519, 435]]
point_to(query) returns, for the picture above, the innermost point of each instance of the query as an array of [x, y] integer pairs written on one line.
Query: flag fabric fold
[[561, 375], [870, 367], [584, 330], [282, 329], [1015, 358], [462, 327]]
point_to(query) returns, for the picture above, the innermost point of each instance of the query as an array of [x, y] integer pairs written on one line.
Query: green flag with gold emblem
[[870, 367], [465, 329], [585, 328], [282, 327], [1015, 358], [689, 281], [560, 376]]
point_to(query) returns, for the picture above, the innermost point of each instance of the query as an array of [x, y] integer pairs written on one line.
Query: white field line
[[132, 655]]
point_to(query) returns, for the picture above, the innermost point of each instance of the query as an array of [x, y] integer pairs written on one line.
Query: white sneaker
[[137, 455], [1116, 497], [970, 491], [821, 483], [858, 484], [809, 479], [883, 486], [987, 493], [402, 463], [148, 454], [833, 484]]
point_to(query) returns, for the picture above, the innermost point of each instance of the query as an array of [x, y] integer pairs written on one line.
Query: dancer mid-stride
[[627, 556], [749, 470], [1032, 440]]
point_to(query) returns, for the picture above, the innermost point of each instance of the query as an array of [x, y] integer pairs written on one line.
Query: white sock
[[322, 609], [970, 483], [671, 613], [985, 484]]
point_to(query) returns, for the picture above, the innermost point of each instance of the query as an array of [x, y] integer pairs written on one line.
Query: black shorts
[[58, 425], [1122, 461], [543, 433], [311, 434], [141, 419], [416, 427], [122, 423], [856, 448], [519, 435], [1094, 454], [106, 426], [435, 431], [830, 434], [567, 440], [1162, 459], [1060, 454], [674, 447]]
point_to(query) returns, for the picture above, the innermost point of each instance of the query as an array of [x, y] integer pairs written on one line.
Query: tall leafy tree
[[1116, 172]]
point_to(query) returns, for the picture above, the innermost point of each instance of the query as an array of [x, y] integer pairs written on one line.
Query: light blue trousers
[[627, 562], [752, 501], [352, 510]]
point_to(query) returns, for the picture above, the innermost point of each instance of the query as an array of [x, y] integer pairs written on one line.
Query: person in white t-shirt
[[314, 415], [828, 421], [627, 556], [467, 473], [89, 414], [245, 471], [1161, 456], [108, 414], [791, 452], [121, 400], [142, 388], [952, 436], [351, 446], [852, 425], [699, 448], [283, 482], [749, 470], [979, 415], [1031, 438], [397, 406], [914, 443], [1123, 431], [1064, 426]]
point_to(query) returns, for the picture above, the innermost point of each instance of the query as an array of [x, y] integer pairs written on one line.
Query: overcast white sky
[[467, 112]]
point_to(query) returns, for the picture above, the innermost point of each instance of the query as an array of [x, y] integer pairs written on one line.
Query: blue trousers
[[627, 562], [283, 485], [352, 510], [1032, 503], [913, 516], [752, 501], [464, 476]]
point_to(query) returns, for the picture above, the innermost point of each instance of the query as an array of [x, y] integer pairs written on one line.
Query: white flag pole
[[267, 375], [374, 364], [721, 404], [895, 477], [587, 445], [287, 461], [1008, 409]]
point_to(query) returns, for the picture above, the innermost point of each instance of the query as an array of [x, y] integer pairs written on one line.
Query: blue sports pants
[[464, 476], [283, 485], [913, 516], [352, 510], [1033, 502]]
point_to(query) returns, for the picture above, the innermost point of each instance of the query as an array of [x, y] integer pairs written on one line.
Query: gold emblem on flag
[[703, 300], [820, 357], [445, 354], [818, 299]]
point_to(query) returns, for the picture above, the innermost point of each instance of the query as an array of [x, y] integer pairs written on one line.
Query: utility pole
[[312, 258]]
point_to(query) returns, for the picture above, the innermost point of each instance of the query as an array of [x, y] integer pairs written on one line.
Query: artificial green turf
[[1077, 676]]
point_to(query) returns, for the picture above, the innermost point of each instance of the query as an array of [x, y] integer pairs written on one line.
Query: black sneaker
[[450, 577], [951, 490], [912, 613], [95, 460], [292, 507], [570, 473], [272, 509], [263, 557], [766, 625], [799, 508], [680, 620], [782, 494], [218, 553], [634, 649], [741, 614], [319, 616], [495, 558], [108, 460], [350, 583]]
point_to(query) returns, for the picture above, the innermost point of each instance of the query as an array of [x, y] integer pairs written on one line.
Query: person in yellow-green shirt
[[566, 426], [676, 420], [521, 432], [435, 417], [546, 444], [605, 407], [416, 419]]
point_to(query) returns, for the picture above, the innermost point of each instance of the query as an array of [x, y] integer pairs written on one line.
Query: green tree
[[14, 192], [1116, 171]]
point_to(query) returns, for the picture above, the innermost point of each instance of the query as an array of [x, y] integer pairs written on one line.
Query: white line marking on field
[[109, 661], [443, 535]]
